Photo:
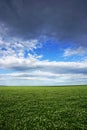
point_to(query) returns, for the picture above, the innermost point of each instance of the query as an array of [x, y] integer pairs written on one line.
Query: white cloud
[[43, 78], [77, 51], [32, 70], [16, 47], [33, 63]]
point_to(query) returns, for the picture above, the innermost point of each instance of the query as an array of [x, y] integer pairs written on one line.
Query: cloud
[[32, 63], [43, 78], [18, 48], [76, 51], [33, 71], [30, 19]]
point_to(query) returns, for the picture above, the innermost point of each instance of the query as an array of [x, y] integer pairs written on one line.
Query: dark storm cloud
[[62, 19]]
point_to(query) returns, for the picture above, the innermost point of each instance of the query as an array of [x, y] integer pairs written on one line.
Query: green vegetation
[[43, 108]]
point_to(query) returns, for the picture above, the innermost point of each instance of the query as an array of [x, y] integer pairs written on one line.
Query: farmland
[[43, 108]]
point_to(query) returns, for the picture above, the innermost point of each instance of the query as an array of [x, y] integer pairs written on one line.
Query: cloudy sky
[[43, 42]]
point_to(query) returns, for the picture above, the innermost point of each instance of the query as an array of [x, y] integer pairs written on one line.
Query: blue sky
[[43, 43]]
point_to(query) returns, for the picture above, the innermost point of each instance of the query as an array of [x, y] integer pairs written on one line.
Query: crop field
[[43, 108]]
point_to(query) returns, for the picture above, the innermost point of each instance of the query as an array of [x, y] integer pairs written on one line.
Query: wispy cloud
[[42, 78], [75, 51]]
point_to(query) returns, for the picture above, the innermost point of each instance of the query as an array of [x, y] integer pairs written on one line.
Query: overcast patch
[[62, 19]]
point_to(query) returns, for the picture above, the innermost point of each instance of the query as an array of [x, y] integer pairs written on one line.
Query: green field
[[43, 108]]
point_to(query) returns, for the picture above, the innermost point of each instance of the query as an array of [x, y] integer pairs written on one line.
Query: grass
[[43, 108]]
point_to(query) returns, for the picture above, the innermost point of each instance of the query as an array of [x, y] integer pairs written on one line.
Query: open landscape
[[43, 64], [43, 108]]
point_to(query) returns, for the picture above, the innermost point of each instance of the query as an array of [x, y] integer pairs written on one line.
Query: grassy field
[[43, 108]]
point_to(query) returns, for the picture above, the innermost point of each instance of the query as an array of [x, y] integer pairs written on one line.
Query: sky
[[43, 42]]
